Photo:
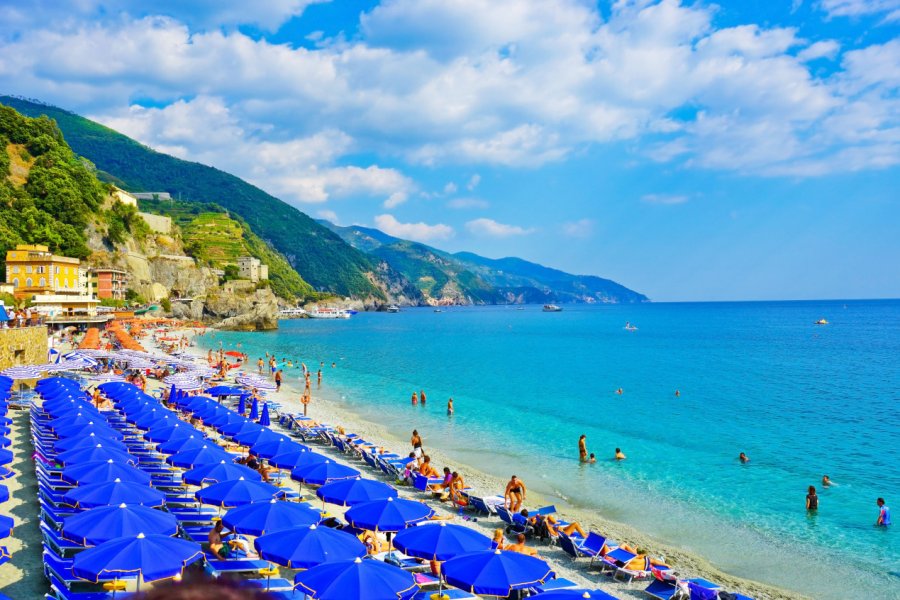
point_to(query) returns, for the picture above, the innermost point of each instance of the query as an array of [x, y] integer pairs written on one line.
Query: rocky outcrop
[[257, 311]]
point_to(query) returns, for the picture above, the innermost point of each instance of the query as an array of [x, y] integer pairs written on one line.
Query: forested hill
[[321, 257], [464, 277]]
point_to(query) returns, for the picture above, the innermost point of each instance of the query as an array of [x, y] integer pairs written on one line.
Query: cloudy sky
[[745, 149]]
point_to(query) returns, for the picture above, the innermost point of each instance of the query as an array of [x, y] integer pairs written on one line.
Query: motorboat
[[629, 326], [821, 322], [552, 308], [393, 308], [291, 313]]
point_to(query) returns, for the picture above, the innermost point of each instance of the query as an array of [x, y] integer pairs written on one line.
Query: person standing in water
[[422, 397], [450, 407], [620, 455], [415, 399], [884, 514], [582, 448], [320, 378], [812, 500]]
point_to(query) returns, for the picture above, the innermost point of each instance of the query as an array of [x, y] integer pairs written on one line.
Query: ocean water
[[801, 400]]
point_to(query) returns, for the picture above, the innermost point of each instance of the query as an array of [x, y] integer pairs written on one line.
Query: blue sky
[[689, 150]]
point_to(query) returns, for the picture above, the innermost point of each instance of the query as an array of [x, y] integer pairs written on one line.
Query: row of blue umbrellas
[[6, 457]]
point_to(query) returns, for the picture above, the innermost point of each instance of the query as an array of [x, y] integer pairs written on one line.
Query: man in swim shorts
[[514, 494]]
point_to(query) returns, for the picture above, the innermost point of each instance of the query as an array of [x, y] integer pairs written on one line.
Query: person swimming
[[620, 455], [743, 458], [826, 482], [593, 458]]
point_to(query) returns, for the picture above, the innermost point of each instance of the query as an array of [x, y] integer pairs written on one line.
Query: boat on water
[[629, 326], [327, 312], [552, 308], [393, 308], [291, 313], [438, 310], [821, 322]]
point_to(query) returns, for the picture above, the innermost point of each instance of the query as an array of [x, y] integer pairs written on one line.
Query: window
[[16, 282], [29, 282], [57, 282], [15, 269], [57, 270], [40, 270], [43, 281], [28, 269]]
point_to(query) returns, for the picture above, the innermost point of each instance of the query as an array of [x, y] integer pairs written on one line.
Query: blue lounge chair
[[661, 589], [701, 592]]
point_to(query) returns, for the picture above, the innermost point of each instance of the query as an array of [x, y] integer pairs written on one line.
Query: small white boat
[[291, 313], [552, 308], [393, 308], [629, 326], [327, 312]]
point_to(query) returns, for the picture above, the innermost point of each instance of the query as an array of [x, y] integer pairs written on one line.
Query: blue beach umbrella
[[440, 541], [322, 473], [150, 556], [88, 441], [175, 430], [356, 579], [100, 429], [296, 459], [219, 472], [348, 492], [6, 473], [5, 442], [208, 453], [6, 457], [261, 518], [4, 493], [390, 514], [495, 573], [6, 526], [98, 452], [100, 471], [182, 444], [251, 437], [224, 390], [76, 419], [155, 420], [113, 493], [269, 447], [237, 492], [237, 427], [264, 419], [254, 409], [242, 404], [99, 525], [224, 418], [308, 547], [575, 595]]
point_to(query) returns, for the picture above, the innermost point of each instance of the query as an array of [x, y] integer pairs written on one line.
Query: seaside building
[[57, 286], [125, 197], [106, 282], [252, 269], [152, 195]]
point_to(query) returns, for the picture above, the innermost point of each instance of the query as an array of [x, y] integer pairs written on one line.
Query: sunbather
[[445, 484], [520, 546], [498, 540], [427, 469], [514, 494], [553, 526]]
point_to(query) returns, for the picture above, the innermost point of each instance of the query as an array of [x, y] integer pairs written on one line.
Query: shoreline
[[328, 408]]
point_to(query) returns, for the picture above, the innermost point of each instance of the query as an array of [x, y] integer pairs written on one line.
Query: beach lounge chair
[[639, 567], [512, 526], [662, 589], [559, 583], [420, 482], [577, 548], [701, 592]]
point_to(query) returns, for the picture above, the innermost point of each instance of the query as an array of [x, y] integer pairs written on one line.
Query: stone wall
[[158, 223], [23, 346]]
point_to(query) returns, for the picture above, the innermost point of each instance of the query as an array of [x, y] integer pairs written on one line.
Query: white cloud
[[518, 83], [491, 228], [890, 9], [450, 188], [667, 199], [474, 180], [582, 228], [328, 215], [463, 203], [420, 232], [824, 49]]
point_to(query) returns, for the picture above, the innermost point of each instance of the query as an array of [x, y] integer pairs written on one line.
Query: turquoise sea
[[801, 400]]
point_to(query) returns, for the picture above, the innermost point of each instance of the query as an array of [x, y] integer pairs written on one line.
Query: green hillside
[[323, 258], [215, 238], [438, 274], [48, 195]]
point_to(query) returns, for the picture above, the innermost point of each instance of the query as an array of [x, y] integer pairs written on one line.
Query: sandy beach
[[22, 577], [328, 409]]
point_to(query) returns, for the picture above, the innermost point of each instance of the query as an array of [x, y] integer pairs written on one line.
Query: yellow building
[[33, 269]]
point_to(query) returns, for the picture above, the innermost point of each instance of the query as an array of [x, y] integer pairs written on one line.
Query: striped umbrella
[[108, 378], [23, 372], [254, 382], [185, 383], [74, 364]]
